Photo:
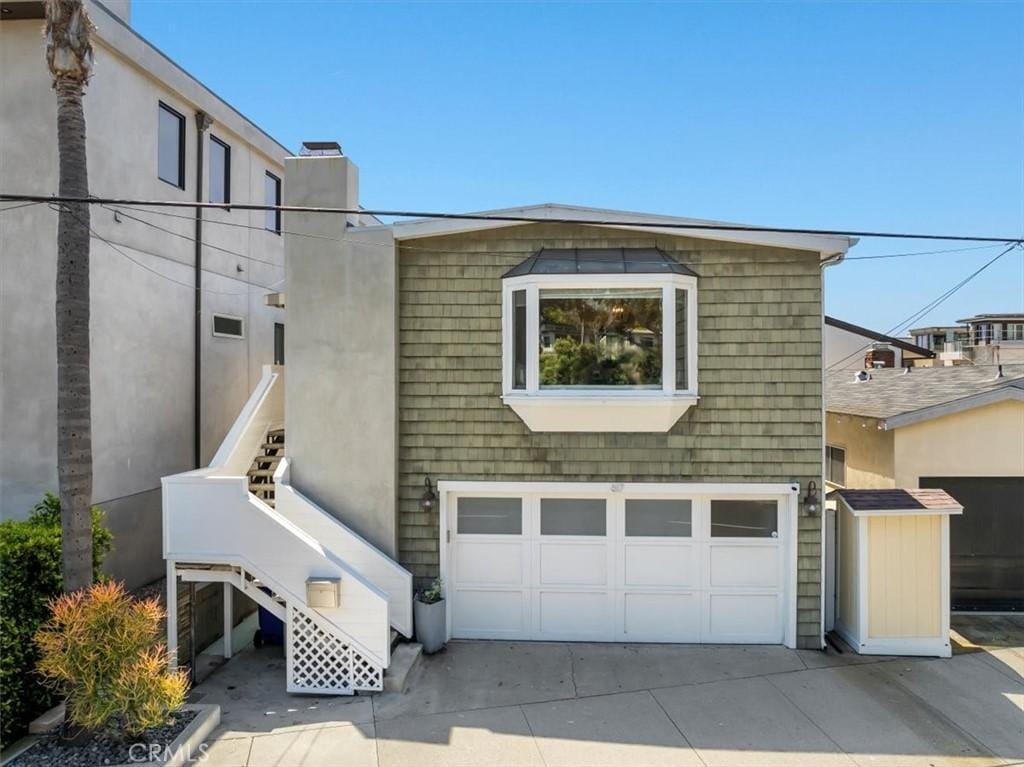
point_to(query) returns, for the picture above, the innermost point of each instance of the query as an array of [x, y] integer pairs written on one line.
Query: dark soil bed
[[103, 749]]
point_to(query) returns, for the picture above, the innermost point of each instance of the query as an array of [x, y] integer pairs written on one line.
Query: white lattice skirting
[[319, 662]]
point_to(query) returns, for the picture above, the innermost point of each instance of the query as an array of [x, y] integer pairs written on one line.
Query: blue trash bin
[[271, 630]]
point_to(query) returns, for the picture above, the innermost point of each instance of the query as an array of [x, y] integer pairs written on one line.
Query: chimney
[[880, 356]]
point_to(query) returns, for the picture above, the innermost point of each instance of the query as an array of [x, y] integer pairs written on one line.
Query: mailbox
[[323, 592]]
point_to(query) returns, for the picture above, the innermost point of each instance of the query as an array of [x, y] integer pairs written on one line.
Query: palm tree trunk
[[74, 421], [69, 55]]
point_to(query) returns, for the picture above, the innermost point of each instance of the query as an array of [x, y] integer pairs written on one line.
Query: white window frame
[[611, 409], [213, 326]]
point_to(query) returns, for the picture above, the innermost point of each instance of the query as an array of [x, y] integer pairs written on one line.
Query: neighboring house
[[144, 137], [980, 340], [851, 347], [649, 492], [958, 428]]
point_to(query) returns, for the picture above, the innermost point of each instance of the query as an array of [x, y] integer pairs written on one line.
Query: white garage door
[[617, 566]]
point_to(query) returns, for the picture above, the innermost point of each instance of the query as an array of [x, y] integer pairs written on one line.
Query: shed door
[[986, 542], [599, 567]]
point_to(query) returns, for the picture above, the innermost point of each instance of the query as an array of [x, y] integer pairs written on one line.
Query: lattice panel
[[322, 663]]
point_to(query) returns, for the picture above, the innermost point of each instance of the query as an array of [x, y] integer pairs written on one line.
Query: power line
[[404, 246], [505, 217], [192, 239], [17, 207], [924, 252], [188, 285], [930, 306]]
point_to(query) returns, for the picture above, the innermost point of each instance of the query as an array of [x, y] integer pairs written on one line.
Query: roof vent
[[320, 149], [861, 376], [907, 369]]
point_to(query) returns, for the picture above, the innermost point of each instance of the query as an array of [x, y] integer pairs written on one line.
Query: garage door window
[[572, 516], [744, 519], [659, 518], [490, 516]]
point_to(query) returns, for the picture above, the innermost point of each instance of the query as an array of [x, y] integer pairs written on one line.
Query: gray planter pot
[[430, 625]]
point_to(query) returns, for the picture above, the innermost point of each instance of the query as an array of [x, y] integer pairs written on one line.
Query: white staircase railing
[[376, 566], [211, 519]]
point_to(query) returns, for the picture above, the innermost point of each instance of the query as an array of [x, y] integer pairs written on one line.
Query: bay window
[[600, 340]]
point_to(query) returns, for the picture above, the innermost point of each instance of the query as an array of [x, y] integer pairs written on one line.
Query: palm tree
[[69, 57]]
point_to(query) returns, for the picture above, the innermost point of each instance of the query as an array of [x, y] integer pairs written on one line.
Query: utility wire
[[17, 207], [404, 246], [189, 285], [192, 239], [930, 306], [503, 217]]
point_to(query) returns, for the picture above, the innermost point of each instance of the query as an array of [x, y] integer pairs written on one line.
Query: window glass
[[601, 338], [220, 171], [171, 147], [835, 465], [519, 339], [744, 519], [490, 516], [572, 516], [228, 326], [681, 376], [663, 517], [272, 187]]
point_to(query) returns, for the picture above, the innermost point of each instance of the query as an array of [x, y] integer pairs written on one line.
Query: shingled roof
[[910, 499], [891, 392]]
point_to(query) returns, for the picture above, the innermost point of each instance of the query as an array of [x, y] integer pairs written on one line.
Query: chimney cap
[[320, 148]]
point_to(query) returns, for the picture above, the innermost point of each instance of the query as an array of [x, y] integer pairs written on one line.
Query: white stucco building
[[144, 139]]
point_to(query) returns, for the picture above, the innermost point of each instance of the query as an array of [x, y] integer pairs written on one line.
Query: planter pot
[[430, 625]]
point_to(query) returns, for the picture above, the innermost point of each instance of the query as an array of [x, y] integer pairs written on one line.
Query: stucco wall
[[904, 576], [869, 450], [845, 350], [759, 419], [340, 390], [142, 297], [983, 442]]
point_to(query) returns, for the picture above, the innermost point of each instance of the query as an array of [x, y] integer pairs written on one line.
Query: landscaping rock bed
[[103, 749]]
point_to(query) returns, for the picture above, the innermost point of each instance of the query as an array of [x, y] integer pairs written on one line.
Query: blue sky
[[906, 117]]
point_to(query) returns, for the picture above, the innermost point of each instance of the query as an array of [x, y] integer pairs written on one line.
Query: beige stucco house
[[959, 428], [154, 132]]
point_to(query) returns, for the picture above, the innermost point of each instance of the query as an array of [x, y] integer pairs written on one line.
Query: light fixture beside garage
[[810, 501], [429, 497]]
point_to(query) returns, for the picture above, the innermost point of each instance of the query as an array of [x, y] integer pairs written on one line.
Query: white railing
[[389, 576], [263, 411], [213, 519]]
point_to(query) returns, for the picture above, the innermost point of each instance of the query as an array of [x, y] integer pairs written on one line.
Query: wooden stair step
[[261, 472], [268, 459], [272, 446]]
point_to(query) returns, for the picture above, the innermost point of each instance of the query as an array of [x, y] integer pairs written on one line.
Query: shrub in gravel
[[30, 575], [100, 649]]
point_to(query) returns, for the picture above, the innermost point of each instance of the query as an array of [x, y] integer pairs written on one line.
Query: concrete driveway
[[553, 705]]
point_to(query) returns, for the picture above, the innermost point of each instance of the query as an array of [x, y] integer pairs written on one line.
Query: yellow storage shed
[[893, 570]]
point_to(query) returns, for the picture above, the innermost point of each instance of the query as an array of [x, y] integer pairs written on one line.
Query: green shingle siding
[[759, 371]]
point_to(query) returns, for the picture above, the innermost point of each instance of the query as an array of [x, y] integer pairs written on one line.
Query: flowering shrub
[[30, 575], [100, 648]]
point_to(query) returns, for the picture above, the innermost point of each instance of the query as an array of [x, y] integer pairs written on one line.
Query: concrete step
[[403, 661]]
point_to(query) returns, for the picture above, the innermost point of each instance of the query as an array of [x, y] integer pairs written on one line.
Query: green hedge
[[30, 574]]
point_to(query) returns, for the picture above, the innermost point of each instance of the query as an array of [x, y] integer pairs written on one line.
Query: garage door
[[986, 542], [613, 566]]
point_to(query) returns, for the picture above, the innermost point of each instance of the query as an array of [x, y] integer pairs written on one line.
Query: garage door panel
[[743, 618], [490, 614], [573, 564], [489, 563], [574, 615], [743, 566], [661, 617], [659, 565]]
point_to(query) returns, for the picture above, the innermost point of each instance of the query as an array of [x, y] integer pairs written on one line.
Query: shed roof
[[599, 261], [894, 501], [892, 394]]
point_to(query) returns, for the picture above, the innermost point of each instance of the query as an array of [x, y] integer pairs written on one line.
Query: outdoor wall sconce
[[429, 497], [810, 500]]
